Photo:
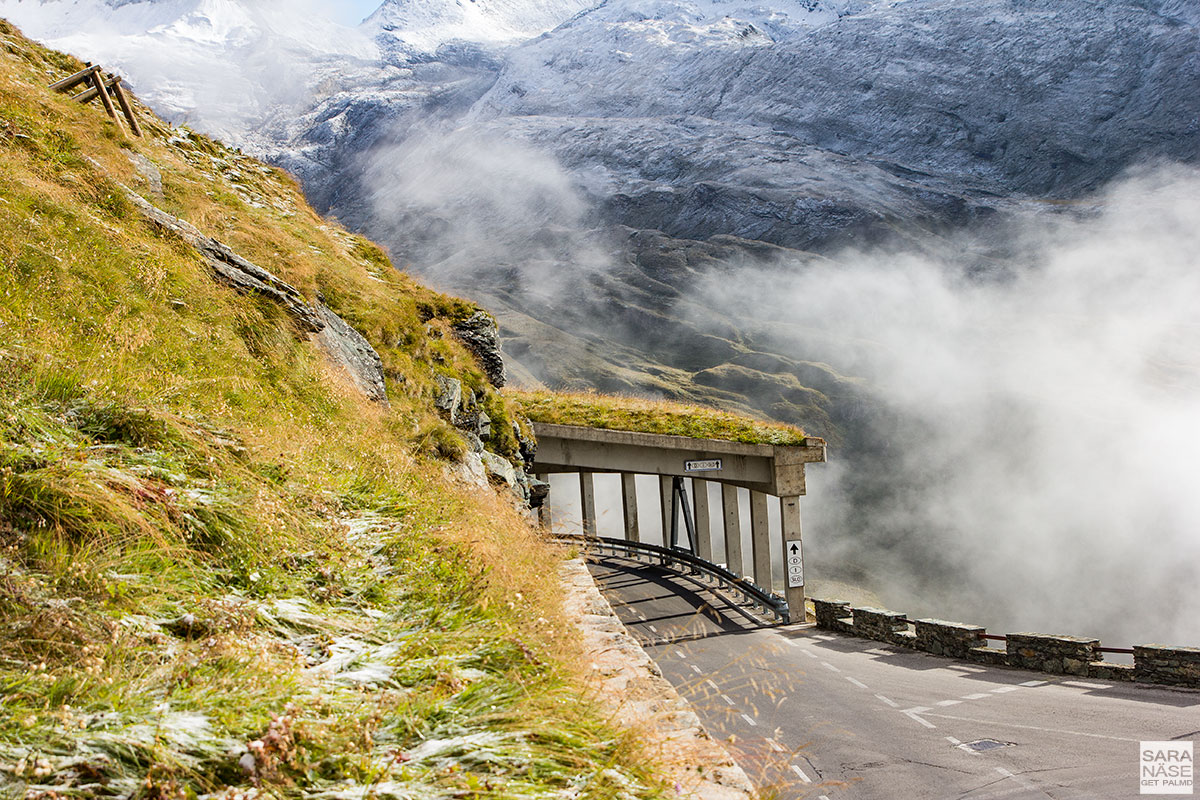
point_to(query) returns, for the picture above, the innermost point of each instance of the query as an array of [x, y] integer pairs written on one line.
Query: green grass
[[652, 416], [222, 571]]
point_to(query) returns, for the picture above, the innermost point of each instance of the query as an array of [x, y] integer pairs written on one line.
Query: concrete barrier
[[1057, 655]]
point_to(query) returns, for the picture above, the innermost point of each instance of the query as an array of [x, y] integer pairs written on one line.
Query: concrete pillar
[[587, 503], [793, 562], [760, 539], [544, 511], [703, 541], [733, 530], [629, 505], [666, 485]]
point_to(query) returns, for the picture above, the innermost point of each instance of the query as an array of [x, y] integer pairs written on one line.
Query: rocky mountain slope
[[230, 567], [810, 124], [793, 208]]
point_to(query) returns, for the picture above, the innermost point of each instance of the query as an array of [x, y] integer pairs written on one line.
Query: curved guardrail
[[669, 557]]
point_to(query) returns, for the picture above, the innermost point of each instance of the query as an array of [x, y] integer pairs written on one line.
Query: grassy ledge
[[223, 573], [640, 415]]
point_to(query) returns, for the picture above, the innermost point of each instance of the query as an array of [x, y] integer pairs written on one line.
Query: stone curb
[[631, 686]]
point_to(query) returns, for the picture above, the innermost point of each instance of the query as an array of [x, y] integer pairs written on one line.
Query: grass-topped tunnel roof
[[639, 415]]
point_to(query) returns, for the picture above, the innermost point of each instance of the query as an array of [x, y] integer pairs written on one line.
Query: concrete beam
[[764, 468], [790, 530], [760, 540], [703, 523], [587, 503], [665, 486], [733, 530], [629, 505]]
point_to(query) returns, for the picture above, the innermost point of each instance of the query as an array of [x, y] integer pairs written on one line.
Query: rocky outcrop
[[346, 347], [481, 335], [231, 268]]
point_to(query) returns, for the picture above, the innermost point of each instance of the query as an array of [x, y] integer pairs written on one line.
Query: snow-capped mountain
[[425, 25]]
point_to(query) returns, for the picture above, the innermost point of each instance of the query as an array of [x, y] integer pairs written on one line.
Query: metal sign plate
[[711, 465], [795, 564]]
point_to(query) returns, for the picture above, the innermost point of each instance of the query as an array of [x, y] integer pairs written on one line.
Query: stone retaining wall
[[1057, 655]]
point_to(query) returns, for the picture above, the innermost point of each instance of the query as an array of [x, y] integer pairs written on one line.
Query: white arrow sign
[[795, 563]]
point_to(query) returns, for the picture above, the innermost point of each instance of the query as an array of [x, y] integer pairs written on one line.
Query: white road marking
[[914, 714], [696, 669], [810, 653], [888, 701], [750, 720], [776, 746], [790, 642], [947, 702], [1035, 683], [712, 685], [961, 746], [1086, 685], [1005, 689], [976, 696], [857, 682], [680, 654], [800, 773], [827, 665], [1035, 728], [654, 629], [824, 637], [725, 697], [1015, 778]]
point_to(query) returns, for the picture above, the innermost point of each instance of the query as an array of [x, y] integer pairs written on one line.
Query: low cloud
[[1031, 462]]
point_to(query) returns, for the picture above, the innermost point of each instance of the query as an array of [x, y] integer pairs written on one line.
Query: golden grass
[[642, 415], [171, 449]]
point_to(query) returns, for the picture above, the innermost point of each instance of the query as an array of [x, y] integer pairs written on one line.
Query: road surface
[[818, 715]]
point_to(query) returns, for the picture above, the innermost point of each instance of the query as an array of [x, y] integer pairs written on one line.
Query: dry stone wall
[[1057, 655]]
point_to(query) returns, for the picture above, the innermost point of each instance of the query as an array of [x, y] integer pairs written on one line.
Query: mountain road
[[815, 715]]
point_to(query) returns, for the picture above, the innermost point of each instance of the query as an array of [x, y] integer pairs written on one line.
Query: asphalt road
[[817, 715]]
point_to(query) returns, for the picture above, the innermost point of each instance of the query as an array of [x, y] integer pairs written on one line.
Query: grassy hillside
[[223, 573]]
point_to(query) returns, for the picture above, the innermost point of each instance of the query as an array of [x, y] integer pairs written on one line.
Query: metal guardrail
[[669, 556]]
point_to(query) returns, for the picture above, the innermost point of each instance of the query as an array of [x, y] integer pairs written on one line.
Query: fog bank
[[1035, 442]]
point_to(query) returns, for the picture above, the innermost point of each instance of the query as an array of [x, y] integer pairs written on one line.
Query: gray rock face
[[1038, 96], [228, 266], [349, 349], [345, 346], [482, 337]]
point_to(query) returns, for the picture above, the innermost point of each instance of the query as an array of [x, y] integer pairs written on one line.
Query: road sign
[[711, 465], [795, 563]]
